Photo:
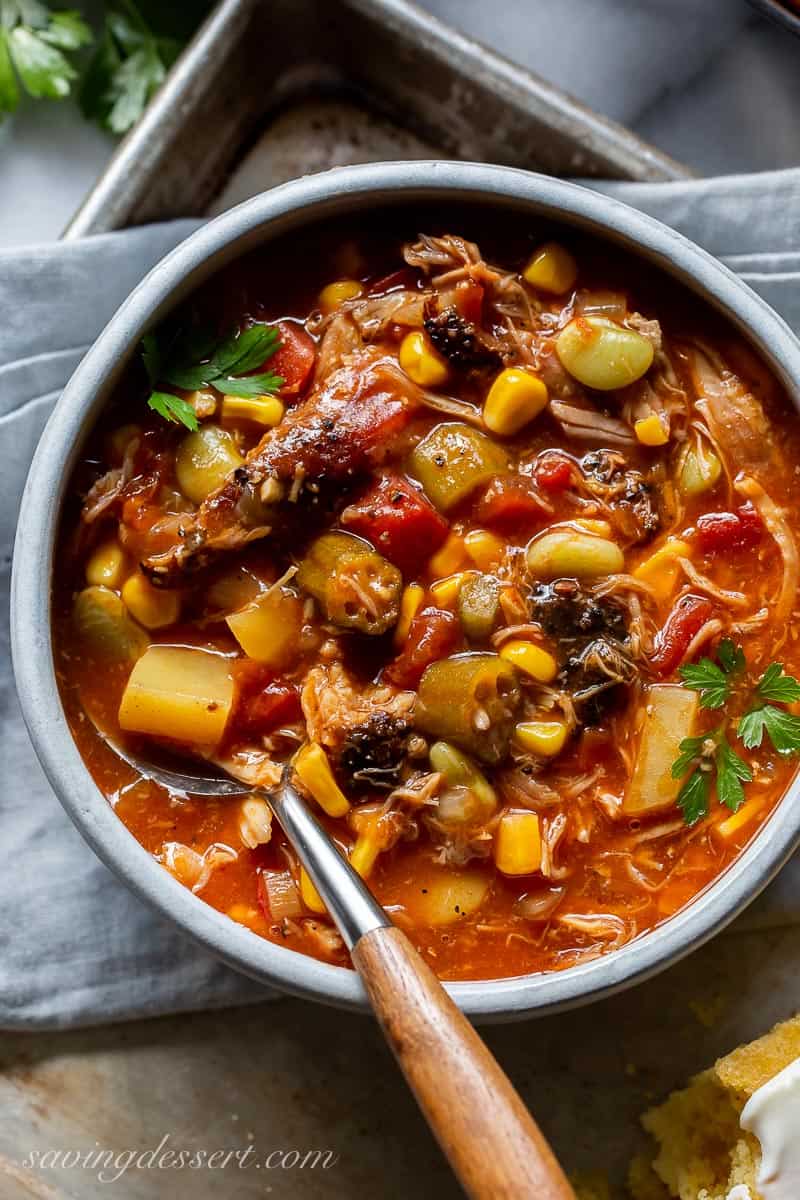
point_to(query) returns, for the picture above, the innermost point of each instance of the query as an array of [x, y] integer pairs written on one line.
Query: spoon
[[490, 1139]]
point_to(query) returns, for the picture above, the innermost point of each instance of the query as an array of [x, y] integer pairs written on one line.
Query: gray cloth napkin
[[75, 947]]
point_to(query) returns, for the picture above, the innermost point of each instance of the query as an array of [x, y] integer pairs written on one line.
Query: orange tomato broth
[[594, 876]]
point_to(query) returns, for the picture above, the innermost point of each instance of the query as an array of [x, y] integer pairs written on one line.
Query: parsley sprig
[[35, 49], [709, 759], [194, 358]]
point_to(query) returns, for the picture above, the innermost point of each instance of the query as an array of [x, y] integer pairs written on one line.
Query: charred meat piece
[[594, 677], [346, 426], [569, 614], [373, 753], [625, 490], [453, 336]]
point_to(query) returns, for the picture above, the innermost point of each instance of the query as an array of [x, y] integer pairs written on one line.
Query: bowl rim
[[289, 207]]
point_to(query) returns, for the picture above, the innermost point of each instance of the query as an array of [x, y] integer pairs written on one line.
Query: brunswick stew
[[495, 539]]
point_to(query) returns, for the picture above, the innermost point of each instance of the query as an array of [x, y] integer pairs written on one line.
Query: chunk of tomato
[[265, 704], [509, 506], [399, 521], [294, 361], [553, 472], [434, 634], [722, 532], [675, 637]]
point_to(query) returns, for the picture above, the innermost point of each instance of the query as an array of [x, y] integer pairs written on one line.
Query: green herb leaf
[[732, 771], [709, 680], [691, 748], [243, 352], [694, 796], [9, 91], [775, 685], [731, 657], [43, 69], [129, 65], [67, 30], [173, 408], [190, 378], [151, 357], [250, 385], [782, 728]]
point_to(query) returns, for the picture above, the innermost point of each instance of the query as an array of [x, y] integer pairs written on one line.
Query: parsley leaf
[[775, 684], [173, 408], [714, 681], [33, 41], [128, 66], [732, 771], [783, 729], [193, 358], [691, 748], [694, 796]]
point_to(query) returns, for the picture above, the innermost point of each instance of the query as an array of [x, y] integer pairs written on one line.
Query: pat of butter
[[772, 1114]]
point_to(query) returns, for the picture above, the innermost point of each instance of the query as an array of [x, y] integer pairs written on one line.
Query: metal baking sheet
[[353, 81]]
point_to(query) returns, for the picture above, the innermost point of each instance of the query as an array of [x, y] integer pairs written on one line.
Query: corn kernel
[[531, 659], [514, 399], [410, 604], [444, 592], [309, 894], [518, 843], [661, 570], [485, 550], [543, 738], [263, 410], [421, 362], [552, 269], [107, 565], [365, 853], [652, 431], [314, 772], [336, 293], [150, 606], [450, 557]]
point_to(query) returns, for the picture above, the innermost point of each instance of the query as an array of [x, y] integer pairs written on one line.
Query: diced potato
[[446, 896], [669, 716], [204, 460], [565, 552], [268, 629], [518, 843], [155, 608], [179, 692], [105, 627], [107, 565]]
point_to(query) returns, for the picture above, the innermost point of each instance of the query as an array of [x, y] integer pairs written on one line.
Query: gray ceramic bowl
[[291, 208]]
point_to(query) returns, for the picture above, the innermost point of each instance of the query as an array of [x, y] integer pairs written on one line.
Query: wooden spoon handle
[[493, 1144]]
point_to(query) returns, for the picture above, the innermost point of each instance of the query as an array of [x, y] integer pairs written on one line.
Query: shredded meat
[[626, 492], [775, 520], [733, 414], [334, 704], [373, 753]]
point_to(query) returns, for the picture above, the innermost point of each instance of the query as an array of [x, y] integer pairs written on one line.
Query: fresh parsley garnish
[[709, 757], [129, 64], [193, 358], [714, 680], [34, 47]]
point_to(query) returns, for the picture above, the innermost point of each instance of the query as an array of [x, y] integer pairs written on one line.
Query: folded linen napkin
[[76, 948]]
